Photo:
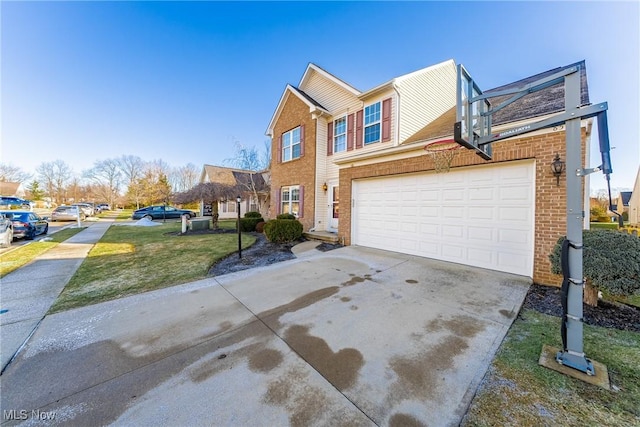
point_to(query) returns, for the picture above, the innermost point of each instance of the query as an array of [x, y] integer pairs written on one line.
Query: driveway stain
[[272, 317], [411, 281], [265, 360], [341, 369], [509, 314], [420, 374], [345, 299], [404, 420]]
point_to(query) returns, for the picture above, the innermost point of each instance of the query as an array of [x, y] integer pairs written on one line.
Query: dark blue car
[[27, 224], [161, 212]]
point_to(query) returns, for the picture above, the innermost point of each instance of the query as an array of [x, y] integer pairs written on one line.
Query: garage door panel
[[481, 216]]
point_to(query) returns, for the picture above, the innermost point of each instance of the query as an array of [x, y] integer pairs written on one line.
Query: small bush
[[286, 216], [249, 224], [260, 227], [611, 260], [283, 230], [253, 214]]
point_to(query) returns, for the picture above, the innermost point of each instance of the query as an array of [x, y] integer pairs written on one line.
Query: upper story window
[[372, 123], [291, 144], [340, 135]]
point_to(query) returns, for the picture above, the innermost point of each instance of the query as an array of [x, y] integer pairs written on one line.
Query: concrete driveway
[[353, 336]]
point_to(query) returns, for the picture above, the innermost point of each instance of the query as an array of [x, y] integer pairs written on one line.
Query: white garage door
[[481, 216]]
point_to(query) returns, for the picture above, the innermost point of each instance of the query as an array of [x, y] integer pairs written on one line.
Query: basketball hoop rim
[[442, 145]]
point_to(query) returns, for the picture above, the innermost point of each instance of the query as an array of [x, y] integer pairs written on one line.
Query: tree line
[[126, 180]]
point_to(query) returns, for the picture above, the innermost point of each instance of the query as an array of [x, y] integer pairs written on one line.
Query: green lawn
[[605, 225], [118, 215], [131, 260], [519, 392], [23, 255]]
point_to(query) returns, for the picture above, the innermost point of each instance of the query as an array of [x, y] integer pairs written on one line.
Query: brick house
[[353, 163], [246, 181]]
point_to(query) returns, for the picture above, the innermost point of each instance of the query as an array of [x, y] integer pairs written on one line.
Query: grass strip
[[131, 260], [517, 391], [16, 258]]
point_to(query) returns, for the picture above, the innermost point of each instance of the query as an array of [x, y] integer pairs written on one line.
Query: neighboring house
[[14, 189], [253, 188], [353, 162], [622, 201], [634, 202]]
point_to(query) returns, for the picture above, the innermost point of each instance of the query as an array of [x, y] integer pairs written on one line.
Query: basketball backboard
[[473, 120]]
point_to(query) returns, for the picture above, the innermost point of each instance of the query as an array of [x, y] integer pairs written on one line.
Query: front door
[[334, 207]]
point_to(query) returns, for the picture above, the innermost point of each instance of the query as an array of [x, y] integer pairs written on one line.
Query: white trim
[[346, 137], [314, 109], [328, 76]]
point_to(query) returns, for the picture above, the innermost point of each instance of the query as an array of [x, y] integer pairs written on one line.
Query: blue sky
[[86, 81]]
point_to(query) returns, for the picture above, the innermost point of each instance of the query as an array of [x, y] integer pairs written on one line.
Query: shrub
[[283, 230], [611, 260], [286, 216], [253, 214], [260, 227], [249, 224]]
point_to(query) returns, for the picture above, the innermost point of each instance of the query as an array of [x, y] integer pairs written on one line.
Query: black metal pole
[[239, 234]]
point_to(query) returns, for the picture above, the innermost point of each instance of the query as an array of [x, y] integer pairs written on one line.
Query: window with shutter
[[291, 144], [329, 138], [386, 120], [359, 129], [340, 135]]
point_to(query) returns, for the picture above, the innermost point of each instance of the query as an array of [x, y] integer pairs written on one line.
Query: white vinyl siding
[[330, 95], [424, 96], [480, 216]]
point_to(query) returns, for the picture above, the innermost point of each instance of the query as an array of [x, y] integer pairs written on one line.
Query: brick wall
[[299, 171], [550, 203]]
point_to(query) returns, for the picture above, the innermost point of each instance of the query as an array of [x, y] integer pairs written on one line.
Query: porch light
[[324, 187], [557, 167]]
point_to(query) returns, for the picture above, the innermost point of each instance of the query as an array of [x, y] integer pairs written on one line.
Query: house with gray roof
[[353, 163]]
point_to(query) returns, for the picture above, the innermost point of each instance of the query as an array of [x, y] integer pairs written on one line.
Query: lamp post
[[238, 199]]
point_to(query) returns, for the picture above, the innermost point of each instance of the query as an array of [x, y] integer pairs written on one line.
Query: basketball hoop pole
[[572, 354], [474, 132]]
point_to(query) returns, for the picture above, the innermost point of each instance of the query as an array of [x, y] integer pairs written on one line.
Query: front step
[[323, 236]]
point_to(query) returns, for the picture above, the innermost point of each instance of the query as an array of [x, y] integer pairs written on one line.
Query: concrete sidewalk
[[353, 336], [27, 293]]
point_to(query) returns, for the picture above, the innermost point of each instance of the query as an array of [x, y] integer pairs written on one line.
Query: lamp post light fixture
[[557, 167], [238, 199]]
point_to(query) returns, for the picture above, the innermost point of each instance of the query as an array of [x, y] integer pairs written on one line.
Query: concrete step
[[323, 236]]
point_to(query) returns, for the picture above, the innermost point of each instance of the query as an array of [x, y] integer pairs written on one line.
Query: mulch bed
[[546, 299]]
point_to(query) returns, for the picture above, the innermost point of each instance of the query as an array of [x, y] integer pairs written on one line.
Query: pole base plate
[[600, 379]]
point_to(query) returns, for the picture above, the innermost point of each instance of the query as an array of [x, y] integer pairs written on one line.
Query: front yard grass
[[131, 260], [519, 392], [23, 255]]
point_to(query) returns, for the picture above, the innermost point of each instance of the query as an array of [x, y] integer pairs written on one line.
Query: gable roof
[[543, 102], [10, 188], [232, 176], [625, 195], [311, 68], [314, 106]]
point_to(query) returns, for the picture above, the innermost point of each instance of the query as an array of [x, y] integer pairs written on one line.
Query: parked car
[[6, 231], [87, 208], [161, 212], [10, 202], [27, 224], [104, 206], [67, 213]]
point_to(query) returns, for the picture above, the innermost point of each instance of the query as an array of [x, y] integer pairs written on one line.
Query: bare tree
[[184, 177], [132, 168], [10, 173], [255, 163], [209, 193], [55, 175], [106, 175]]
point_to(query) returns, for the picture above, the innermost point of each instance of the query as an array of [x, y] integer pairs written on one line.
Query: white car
[[6, 231]]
